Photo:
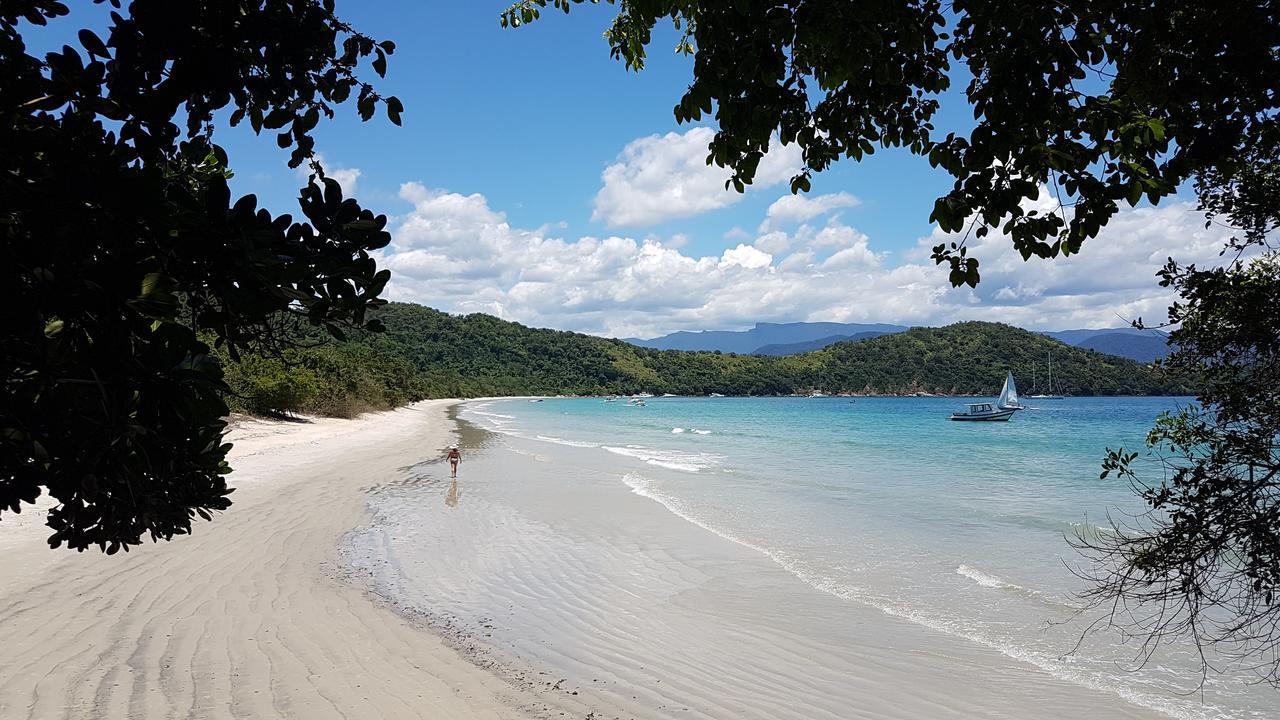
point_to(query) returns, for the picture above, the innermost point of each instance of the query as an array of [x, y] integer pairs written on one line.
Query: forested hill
[[427, 353], [972, 357]]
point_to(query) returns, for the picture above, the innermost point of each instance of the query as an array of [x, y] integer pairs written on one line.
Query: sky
[[536, 179]]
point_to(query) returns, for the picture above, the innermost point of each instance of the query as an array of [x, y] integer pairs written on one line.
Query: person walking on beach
[[455, 457]]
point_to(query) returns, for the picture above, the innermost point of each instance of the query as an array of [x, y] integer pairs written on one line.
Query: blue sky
[[531, 117], [535, 178]]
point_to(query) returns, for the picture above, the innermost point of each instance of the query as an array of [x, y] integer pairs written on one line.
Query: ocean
[[877, 505]]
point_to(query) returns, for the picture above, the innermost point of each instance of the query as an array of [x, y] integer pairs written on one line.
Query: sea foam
[[671, 459], [570, 443]]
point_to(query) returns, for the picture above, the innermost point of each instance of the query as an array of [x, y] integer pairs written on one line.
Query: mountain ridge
[[427, 353], [769, 338], [811, 345], [760, 335]]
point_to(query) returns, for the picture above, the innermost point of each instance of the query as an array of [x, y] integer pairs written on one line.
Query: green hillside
[[972, 357], [427, 353]]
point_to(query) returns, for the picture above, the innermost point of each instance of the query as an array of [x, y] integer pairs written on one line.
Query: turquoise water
[[960, 527]]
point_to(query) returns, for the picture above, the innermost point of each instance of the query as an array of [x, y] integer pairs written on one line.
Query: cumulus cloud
[[747, 257], [345, 177], [663, 177], [802, 208], [456, 253]]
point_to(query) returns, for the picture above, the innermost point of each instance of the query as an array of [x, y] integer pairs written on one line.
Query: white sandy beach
[[246, 617]]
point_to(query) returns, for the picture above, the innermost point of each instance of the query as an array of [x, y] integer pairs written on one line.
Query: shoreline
[[287, 604], [635, 606], [250, 616]]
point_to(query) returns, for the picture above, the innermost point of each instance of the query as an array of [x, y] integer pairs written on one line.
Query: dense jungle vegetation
[[425, 353]]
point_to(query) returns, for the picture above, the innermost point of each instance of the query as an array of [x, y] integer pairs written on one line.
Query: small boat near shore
[[984, 412]]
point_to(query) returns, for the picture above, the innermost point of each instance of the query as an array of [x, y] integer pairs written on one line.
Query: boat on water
[[637, 401], [984, 411], [715, 395], [1009, 394], [1049, 394]]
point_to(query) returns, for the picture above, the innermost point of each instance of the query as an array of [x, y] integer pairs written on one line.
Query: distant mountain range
[[811, 345], [749, 342], [779, 339], [1143, 348]]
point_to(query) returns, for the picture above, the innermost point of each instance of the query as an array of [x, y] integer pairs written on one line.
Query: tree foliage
[[337, 380], [1205, 563], [1103, 102], [122, 246]]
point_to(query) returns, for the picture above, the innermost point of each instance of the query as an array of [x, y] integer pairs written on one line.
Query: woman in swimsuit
[[455, 457]]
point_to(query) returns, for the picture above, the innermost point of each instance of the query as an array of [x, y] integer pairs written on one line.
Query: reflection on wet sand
[[451, 498]]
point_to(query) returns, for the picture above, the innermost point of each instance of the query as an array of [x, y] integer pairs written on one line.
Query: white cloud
[[774, 242], [456, 253], [345, 177], [663, 177], [801, 208], [747, 257]]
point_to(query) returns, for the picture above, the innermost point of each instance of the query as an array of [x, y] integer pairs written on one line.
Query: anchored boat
[[984, 411], [1049, 394], [1009, 395]]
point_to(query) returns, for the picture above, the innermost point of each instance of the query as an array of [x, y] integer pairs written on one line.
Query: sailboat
[[1009, 394], [1049, 393]]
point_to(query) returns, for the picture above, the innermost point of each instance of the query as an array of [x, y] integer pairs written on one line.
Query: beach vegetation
[[126, 264]]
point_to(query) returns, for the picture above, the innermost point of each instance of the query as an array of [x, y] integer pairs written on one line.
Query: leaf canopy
[[1100, 103], [122, 249]]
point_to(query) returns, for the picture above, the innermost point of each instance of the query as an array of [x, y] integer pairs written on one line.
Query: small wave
[[1054, 665], [570, 443], [701, 432], [695, 431], [672, 459], [493, 421], [1089, 531], [986, 579], [677, 431]]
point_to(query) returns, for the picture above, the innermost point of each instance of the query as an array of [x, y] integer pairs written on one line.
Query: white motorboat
[[983, 411]]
